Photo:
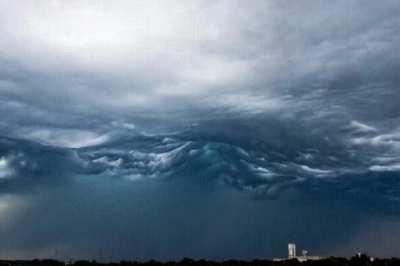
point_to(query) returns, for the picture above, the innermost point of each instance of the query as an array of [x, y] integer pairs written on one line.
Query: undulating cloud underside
[[209, 129]]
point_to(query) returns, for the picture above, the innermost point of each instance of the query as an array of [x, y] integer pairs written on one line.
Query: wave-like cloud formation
[[260, 166]]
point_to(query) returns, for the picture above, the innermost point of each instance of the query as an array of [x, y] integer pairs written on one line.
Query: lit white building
[[292, 251], [292, 255]]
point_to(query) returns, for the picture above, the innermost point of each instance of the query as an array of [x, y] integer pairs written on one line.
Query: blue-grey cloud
[[273, 103]]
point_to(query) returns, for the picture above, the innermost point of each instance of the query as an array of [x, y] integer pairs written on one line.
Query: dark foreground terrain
[[356, 261]]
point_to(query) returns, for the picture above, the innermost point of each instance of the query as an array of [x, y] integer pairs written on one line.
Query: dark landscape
[[362, 260]]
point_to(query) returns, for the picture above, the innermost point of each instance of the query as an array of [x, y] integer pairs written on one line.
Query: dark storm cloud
[[293, 100], [26, 166]]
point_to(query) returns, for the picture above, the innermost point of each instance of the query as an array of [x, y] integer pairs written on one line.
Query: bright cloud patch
[[360, 127], [69, 138], [5, 168], [384, 168]]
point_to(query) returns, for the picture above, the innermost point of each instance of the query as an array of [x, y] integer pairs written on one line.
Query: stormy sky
[[204, 129]]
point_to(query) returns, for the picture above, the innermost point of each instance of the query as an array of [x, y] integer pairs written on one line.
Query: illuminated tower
[[292, 251]]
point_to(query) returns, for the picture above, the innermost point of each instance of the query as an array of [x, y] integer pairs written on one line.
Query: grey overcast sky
[[205, 129]]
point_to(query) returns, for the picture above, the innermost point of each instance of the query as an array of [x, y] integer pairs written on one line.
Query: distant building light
[[292, 251], [292, 255]]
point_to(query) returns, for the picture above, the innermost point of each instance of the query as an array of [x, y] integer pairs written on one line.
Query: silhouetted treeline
[[332, 261]]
